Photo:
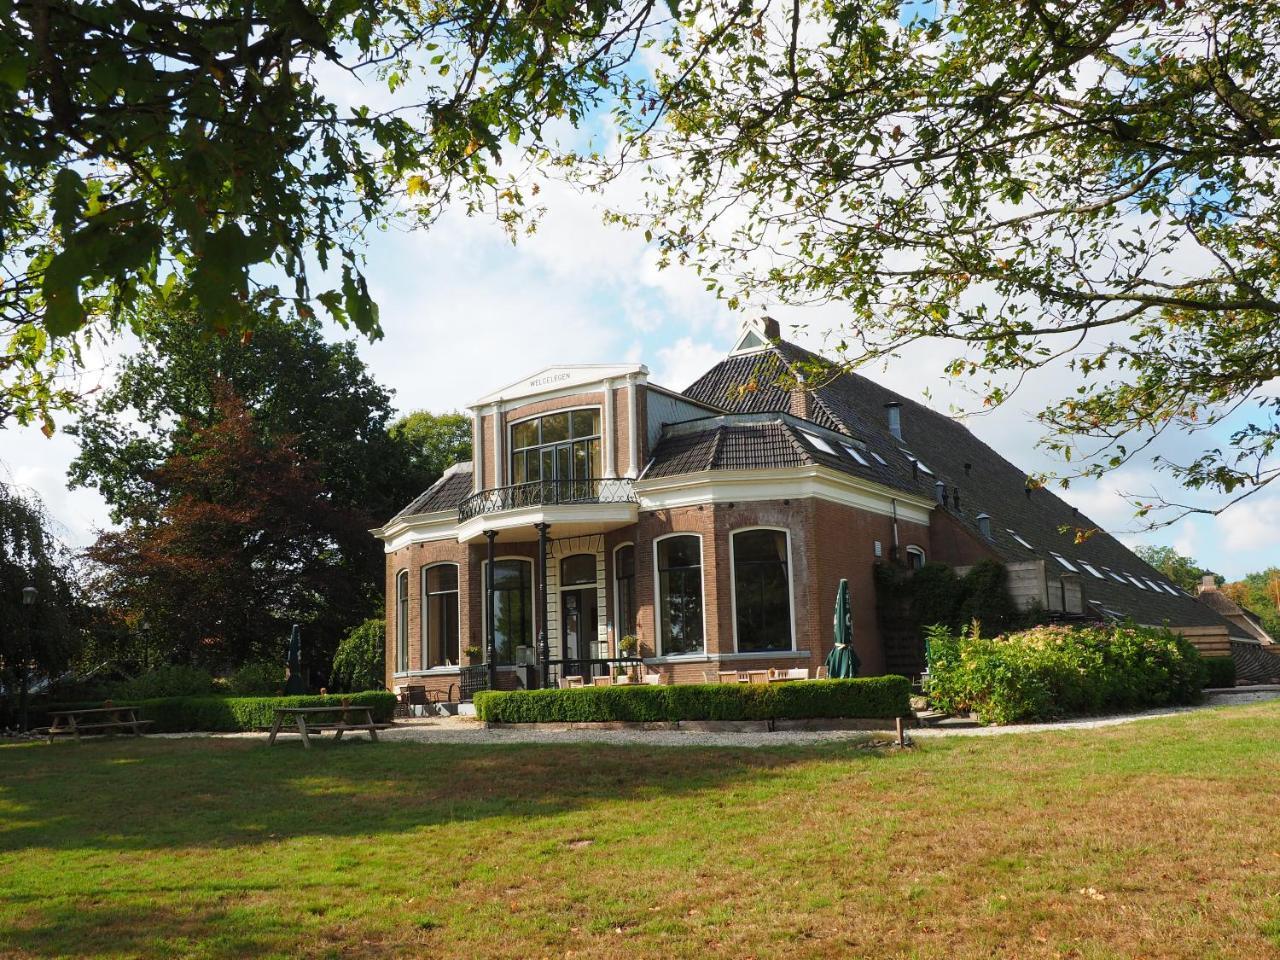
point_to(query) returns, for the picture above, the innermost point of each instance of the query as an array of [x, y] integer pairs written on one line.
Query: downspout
[[893, 502]]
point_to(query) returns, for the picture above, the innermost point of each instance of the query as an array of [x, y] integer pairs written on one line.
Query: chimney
[[1207, 582], [984, 526], [940, 492], [771, 329], [799, 399], [893, 410]]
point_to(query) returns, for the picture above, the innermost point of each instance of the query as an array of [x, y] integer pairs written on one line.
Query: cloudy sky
[[465, 311]]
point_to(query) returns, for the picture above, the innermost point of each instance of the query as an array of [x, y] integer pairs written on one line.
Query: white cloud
[[1253, 525], [678, 365]]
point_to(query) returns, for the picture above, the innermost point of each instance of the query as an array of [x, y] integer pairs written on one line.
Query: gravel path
[[466, 730]]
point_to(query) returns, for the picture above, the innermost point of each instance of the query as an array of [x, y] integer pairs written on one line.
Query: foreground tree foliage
[[39, 640], [150, 142], [1039, 182], [236, 541], [1260, 593], [433, 442]]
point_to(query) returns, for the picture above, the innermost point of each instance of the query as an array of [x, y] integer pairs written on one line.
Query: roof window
[[1018, 538], [1092, 569], [818, 442], [916, 460], [1169, 589], [1135, 581], [853, 452], [1154, 586], [1067, 564], [879, 459]]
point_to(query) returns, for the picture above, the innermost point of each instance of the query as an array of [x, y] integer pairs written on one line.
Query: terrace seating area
[[632, 677]]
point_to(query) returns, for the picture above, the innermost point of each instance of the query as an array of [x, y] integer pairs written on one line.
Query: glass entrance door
[[578, 623]]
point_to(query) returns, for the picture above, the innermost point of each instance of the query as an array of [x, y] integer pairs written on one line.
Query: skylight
[[853, 452], [1065, 562], [879, 459], [1154, 586], [1092, 569], [1019, 539], [916, 460], [1169, 589], [1136, 582], [818, 442]]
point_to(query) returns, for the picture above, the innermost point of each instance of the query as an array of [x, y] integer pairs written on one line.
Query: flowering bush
[[1050, 672]]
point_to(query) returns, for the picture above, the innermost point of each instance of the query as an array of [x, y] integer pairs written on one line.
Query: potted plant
[[475, 654], [629, 645]]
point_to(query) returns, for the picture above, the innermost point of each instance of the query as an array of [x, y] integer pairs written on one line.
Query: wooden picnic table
[[106, 720], [306, 727]]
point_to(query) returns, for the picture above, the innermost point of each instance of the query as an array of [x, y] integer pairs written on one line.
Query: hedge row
[[1046, 673], [231, 714], [1221, 671], [864, 697]]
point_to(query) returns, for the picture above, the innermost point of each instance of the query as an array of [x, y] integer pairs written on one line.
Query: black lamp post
[[29, 596]]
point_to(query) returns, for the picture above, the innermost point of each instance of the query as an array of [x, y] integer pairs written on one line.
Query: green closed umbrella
[[842, 662]]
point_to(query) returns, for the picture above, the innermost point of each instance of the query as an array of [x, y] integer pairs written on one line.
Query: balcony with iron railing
[[547, 494]]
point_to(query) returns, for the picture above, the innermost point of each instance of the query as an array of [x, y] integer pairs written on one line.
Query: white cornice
[[786, 483], [423, 527], [561, 380]]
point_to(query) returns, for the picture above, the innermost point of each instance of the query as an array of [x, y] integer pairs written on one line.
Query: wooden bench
[[106, 720], [306, 726]]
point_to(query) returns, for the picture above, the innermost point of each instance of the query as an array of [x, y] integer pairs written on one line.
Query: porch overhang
[[567, 520]]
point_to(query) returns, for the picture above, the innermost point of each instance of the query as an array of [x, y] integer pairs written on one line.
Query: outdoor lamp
[[29, 594]]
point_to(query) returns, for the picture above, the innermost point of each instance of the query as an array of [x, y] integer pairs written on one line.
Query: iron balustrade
[[542, 493]]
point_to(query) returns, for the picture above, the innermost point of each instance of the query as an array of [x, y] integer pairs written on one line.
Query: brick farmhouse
[[714, 525]]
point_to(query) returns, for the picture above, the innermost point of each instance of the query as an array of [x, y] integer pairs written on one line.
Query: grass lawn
[[1156, 839]]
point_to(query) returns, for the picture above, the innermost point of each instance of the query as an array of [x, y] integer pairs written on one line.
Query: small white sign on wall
[[878, 549]]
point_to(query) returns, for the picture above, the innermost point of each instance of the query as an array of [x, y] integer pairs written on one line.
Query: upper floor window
[[680, 594], [440, 616], [402, 621], [557, 446], [761, 590]]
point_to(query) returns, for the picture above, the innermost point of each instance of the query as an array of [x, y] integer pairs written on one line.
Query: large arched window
[[560, 446], [624, 590], [402, 621], [440, 616], [762, 590], [679, 562], [512, 607]]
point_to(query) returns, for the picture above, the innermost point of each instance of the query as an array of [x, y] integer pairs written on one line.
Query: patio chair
[[798, 673], [757, 676], [571, 681], [621, 680], [653, 679], [601, 681], [822, 673], [728, 676]]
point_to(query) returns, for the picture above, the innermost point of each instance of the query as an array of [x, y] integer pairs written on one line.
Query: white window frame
[[484, 604], [1065, 563], [659, 640], [855, 454], [613, 588], [1092, 569], [912, 548], [1018, 537], [733, 588], [422, 615], [509, 453], [402, 575], [821, 444]]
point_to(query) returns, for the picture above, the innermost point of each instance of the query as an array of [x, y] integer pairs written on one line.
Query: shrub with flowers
[[1051, 672]]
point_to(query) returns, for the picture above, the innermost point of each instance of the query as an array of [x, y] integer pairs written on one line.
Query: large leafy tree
[[1036, 182], [38, 639], [434, 441], [297, 383], [228, 144], [237, 541]]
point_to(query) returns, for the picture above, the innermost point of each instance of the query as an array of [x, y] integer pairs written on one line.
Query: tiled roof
[[728, 443], [987, 483], [447, 493]]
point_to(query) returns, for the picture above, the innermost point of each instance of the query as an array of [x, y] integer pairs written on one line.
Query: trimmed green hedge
[[231, 714], [861, 698], [1046, 673], [1221, 670]]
